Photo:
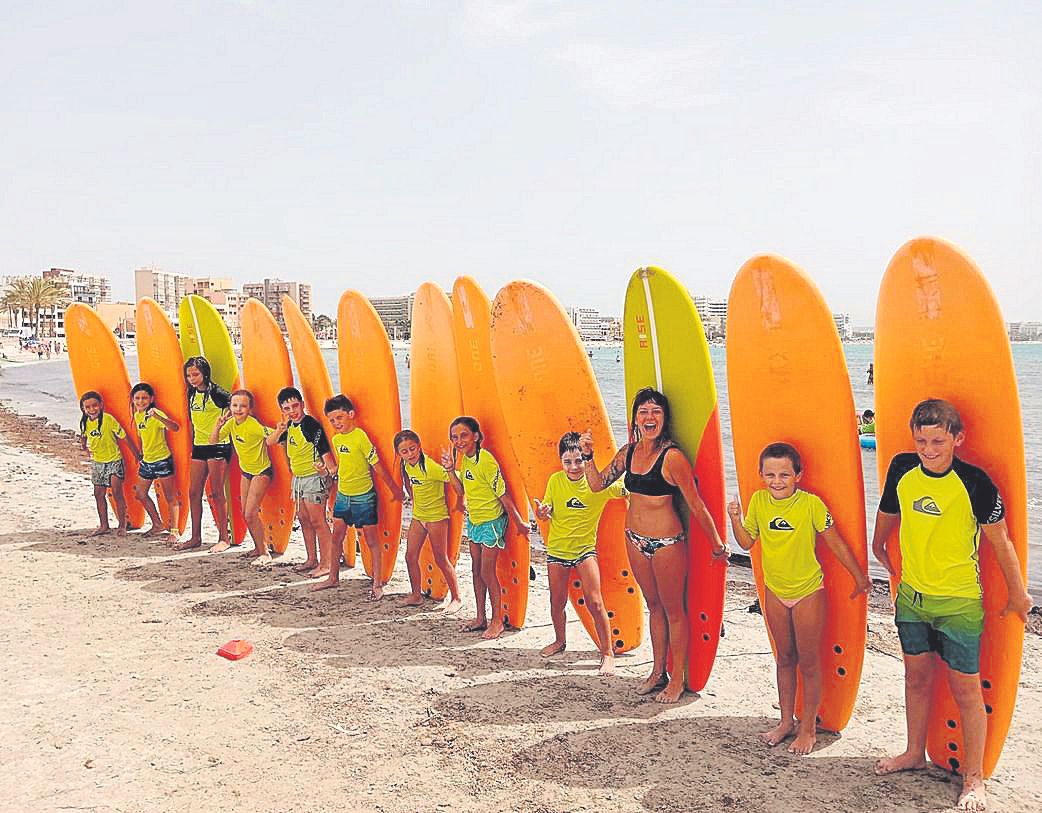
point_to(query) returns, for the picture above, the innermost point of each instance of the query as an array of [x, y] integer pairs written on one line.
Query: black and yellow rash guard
[[941, 515]]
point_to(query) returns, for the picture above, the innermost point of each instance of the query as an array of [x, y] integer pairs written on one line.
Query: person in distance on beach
[[574, 511], [310, 460], [489, 509], [356, 500], [787, 521], [942, 505], [248, 437], [427, 482], [157, 461], [206, 404], [100, 434], [655, 539]]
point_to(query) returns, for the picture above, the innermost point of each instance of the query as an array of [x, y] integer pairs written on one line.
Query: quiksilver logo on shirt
[[468, 475], [343, 449], [575, 502], [414, 481], [780, 524], [927, 505]]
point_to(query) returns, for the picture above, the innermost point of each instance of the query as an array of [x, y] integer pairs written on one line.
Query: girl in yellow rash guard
[[489, 508], [426, 482], [249, 438], [574, 512], [157, 461], [787, 521]]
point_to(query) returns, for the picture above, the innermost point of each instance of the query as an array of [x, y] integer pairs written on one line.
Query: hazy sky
[[377, 145]]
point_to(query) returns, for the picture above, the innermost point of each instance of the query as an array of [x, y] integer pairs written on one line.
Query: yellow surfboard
[[161, 364], [783, 354], [97, 364], [434, 402], [547, 388], [940, 334], [265, 371], [472, 316], [368, 378], [665, 347]]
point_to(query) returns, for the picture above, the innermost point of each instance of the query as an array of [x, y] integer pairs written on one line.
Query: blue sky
[[377, 145]]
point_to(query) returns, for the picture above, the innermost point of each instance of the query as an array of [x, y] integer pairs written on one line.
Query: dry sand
[[116, 700]]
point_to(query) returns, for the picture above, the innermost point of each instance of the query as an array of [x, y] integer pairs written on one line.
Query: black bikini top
[[651, 483]]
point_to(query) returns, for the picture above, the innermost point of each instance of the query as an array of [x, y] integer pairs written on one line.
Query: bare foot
[[902, 762], [318, 572], [973, 796], [453, 606], [495, 629], [262, 561], [155, 530], [550, 650], [303, 567], [672, 693], [411, 600], [188, 544], [779, 733], [121, 531], [607, 666], [375, 593], [221, 546], [324, 585], [473, 625], [656, 680], [804, 743], [101, 531]]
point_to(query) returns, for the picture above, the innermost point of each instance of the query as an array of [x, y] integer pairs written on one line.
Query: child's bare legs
[[217, 469], [173, 503], [780, 624], [100, 494], [669, 565], [308, 531], [438, 534], [330, 552], [372, 539], [657, 624], [808, 619], [557, 577], [413, 545], [480, 620], [966, 690], [116, 486], [316, 514], [918, 688], [590, 579], [489, 558], [252, 491], [197, 484], [141, 488]]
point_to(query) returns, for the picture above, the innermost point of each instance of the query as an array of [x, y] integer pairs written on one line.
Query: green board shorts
[[951, 626]]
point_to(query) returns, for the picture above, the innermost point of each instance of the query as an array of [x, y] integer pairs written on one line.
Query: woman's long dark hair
[[473, 425], [83, 414], [654, 396]]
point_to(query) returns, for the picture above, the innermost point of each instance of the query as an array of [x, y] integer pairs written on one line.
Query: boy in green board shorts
[[942, 504]]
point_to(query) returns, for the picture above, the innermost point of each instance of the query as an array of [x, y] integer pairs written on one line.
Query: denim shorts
[[948, 625], [101, 474], [491, 534], [157, 470], [358, 510], [313, 488]]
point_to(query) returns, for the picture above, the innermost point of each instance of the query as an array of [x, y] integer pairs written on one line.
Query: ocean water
[[46, 389]]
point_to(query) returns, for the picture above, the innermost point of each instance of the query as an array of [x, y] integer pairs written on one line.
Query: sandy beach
[[116, 699]]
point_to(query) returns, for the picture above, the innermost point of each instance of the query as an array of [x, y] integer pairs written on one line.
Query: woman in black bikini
[[657, 471]]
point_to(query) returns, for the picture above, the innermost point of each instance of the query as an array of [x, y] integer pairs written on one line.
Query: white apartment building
[[166, 289], [842, 321]]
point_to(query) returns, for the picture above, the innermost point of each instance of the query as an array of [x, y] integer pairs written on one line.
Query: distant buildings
[[1025, 331], [396, 314], [713, 313], [166, 289], [271, 291], [842, 321], [89, 289]]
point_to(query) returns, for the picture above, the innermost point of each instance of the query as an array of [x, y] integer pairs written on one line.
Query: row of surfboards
[[517, 365]]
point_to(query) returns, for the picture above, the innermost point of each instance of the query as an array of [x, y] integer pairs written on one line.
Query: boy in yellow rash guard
[[250, 440], [489, 508], [157, 461], [942, 505], [574, 511], [426, 481], [356, 499], [788, 521], [100, 434]]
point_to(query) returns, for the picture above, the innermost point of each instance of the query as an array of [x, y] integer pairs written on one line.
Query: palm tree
[[33, 294]]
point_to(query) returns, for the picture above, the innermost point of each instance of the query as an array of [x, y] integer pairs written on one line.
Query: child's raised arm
[[215, 435], [543, 510], [741, 535], [886, 524], [169, 423], [1019, 601], [448, 462], [846, 558], [275, 437]]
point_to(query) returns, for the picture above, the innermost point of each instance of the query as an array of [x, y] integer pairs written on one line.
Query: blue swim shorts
[[358, 510], [157, 470], [491, 534]]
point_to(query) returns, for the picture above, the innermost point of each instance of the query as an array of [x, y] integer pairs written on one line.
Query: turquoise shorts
[[491, 534], [948, 625]]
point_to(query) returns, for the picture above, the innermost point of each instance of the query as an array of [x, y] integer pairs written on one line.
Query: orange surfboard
[[940, 334], [265, 371], [547, 388], [368, 378], [97, 364], [161, 364], [472, 316], [783, 354], [434, 402]]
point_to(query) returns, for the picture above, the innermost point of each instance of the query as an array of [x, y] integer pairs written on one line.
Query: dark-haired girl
[[100, 434], [489, 509], [656, 472], [426, 482], [157, 461], [206, 403]]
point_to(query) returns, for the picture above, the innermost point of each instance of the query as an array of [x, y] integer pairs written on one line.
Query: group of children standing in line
[[940, 505]]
